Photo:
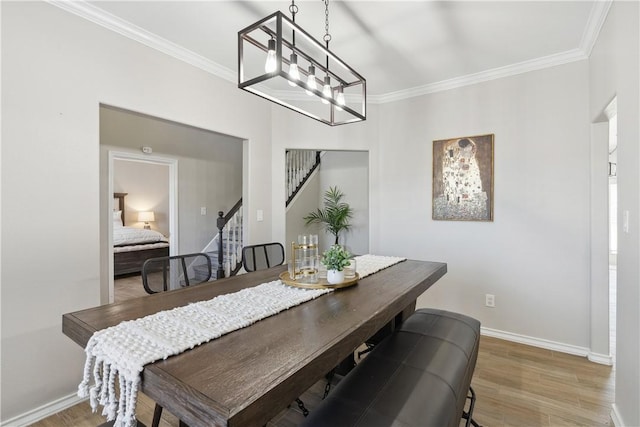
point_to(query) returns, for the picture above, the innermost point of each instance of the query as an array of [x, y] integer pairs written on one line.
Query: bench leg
[[327, 387], [469, 415], [304, 410]]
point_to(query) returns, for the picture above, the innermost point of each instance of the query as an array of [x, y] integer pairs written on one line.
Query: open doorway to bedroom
[[205, 168], [144, 216]]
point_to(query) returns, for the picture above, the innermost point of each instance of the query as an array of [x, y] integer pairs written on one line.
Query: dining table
[[246, 377]]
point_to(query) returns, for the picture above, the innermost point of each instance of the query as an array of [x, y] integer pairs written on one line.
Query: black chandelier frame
[[254, 85]]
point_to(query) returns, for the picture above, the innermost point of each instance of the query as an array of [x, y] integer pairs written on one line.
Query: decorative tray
[[322, 282]]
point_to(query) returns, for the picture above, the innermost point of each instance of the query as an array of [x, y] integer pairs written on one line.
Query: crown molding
[[471, 79], [127, 29], [99, 16], [597, 16], [599, 13]]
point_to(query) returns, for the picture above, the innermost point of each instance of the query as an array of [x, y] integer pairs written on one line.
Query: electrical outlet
[[490, 300], [203, 210]]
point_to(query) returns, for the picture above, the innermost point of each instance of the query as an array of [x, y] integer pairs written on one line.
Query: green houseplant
[[336, 258], [335, 216]]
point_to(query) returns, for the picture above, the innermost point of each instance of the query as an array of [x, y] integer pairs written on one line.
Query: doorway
[[209, 178], [349, 171], [150, 184], [613, 228]]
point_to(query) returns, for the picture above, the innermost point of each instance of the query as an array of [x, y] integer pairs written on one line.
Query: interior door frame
[[172, 164]]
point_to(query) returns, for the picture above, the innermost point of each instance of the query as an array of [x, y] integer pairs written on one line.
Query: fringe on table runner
[[120, 352]]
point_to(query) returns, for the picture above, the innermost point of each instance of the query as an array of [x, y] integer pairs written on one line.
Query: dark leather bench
[[418, 376]]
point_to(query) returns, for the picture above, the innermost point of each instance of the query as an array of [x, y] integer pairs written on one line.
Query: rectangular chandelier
[[279, 61]]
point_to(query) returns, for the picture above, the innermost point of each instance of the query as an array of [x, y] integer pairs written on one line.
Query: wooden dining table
[[248, 376]]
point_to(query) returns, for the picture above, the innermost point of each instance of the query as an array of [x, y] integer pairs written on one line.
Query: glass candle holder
[[351, 269], [305, 261]]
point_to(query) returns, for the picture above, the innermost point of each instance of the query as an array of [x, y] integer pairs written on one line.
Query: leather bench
[[418, 376]]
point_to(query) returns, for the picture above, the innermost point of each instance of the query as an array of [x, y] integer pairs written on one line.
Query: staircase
[[225, 249], [300, 165]]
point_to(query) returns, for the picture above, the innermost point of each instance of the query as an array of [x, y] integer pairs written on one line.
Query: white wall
[[147, 188], [305, 201], [614, 71], [534, 256], [56, 70], [349, 171]]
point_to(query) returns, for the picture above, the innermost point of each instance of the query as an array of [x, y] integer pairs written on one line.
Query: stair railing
[[300, 164], [229, 241]]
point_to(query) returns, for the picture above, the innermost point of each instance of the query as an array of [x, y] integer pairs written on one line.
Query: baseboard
[[43, 411], [615, 416], [536, 342], [603, 359]]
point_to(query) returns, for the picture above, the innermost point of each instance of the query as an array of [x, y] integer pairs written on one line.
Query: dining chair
[[166, 273], [261, 256]]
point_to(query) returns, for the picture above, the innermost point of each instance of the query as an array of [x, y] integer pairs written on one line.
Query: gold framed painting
[[463, 179]]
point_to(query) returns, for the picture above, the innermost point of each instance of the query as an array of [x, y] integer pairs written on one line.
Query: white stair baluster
[[288, 183], [241, 239], [232, 254]]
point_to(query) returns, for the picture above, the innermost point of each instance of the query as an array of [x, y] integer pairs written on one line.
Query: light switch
[[259, 215], [203, 210]]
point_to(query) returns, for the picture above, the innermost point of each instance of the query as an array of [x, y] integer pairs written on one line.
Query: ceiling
[[402, 48]]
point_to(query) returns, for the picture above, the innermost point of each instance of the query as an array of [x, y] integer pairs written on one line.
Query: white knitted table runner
[[121, 351]]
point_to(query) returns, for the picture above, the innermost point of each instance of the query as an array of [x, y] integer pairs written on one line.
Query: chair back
[[264, 255], [174, 272]]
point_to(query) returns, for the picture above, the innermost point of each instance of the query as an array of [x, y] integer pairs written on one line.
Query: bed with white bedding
[[133, 246]]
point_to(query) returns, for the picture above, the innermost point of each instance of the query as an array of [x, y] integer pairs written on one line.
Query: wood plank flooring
[[515, 384], [128, 287]]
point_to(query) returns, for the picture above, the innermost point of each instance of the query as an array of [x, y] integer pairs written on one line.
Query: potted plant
[[336, 258], [335, 215]]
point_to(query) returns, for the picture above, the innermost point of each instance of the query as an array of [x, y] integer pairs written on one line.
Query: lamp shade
[[146, 216]]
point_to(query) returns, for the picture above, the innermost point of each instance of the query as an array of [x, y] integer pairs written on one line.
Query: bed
[[133, 246]]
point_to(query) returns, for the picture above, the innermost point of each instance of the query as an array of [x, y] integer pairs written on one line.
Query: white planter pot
[[335, 277]]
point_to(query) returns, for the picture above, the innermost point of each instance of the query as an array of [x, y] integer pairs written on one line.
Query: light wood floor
[[515, 384], [127, 288]]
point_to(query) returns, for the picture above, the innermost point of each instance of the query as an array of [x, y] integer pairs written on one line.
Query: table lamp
[[146, 217]]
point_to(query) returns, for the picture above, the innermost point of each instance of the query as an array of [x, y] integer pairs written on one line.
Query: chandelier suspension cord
[[293, 9], [327, 36]]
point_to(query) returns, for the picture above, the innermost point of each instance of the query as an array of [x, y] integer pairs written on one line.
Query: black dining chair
[[264, 255], [162, 274]]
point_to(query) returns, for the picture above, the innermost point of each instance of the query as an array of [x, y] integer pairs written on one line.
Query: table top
[[248, 376]]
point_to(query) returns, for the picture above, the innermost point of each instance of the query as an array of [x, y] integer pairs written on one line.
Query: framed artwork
[[463, 179]]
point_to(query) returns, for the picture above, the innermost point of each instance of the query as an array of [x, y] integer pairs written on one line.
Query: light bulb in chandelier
[[311, 80], [293, 70], [326, 90], [271, 64], [340, 98]]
